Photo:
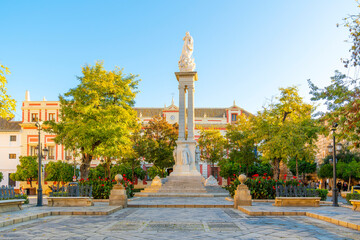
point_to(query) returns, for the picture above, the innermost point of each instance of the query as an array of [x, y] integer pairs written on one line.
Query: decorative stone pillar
[[182, 122], [242, 195], [191, 110], [118, 195]]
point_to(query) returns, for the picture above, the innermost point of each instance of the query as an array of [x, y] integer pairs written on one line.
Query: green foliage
[[120, 168], [352, 196], [261, 168], [22, 196], [157, 144], [241, 143], [60, 171], [212, 146], [322, 193], [1, 176], [285, 129], [97, 116], [7, 104], [342, 99], [303, 166], [27, 170], [229, 168], [325, 171], [154, 171]]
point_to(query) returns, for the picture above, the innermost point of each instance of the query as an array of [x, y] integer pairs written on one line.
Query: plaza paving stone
[[180, 202], [179, 223]]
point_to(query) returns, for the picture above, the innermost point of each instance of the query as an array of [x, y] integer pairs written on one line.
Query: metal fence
[[7, 193], [296, 191], [73, 189]]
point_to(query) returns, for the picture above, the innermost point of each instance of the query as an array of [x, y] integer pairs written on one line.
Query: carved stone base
[[211, 181], [118, 196], [180, 168], [242, 196]]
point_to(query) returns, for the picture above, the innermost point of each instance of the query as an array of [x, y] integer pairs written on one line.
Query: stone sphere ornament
[[242, 178], [118, 178]]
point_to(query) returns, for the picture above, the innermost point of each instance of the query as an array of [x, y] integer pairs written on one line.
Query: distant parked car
[[355, 189]]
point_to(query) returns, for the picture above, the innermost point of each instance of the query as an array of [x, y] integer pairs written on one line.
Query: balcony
[[51, 157]]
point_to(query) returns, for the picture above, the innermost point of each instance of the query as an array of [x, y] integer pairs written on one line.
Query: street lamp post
[[332, 149], [39, 147]]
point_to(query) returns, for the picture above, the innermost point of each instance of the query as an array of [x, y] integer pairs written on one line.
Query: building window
[[51, 152], [33, 151], [34, 117], [12, 156], [12, 138], [68, 154], [233, 117], [51, 116]]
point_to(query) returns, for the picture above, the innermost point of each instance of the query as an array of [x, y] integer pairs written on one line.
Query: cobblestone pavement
[[175, 223], [180, 200]]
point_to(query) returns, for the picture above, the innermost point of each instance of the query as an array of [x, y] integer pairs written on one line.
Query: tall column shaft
[[181, 112], [191, 114]]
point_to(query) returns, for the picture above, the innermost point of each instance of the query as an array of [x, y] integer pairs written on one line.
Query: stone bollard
[[118, 195], [242, 195]]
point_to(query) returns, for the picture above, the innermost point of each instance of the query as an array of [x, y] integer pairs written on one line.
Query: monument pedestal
[[118, 196], [242, 196], [185, 166]]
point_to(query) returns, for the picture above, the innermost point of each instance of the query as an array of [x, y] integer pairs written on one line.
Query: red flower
[[299, 181], [113, 180], [275, 180], [259, 181], [294, 177], [264, 177], [102, 185], [45, 182], [124, 175], [105, 179], [87, 179], [265, 174], [54, 182], [298, 184], [255, 175], [285, 175], [99, 177], [234, 174], [273, 187]]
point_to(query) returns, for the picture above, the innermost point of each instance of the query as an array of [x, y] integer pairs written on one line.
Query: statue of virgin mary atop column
[[186, 62]]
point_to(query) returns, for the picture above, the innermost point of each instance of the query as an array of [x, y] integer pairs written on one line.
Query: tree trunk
[[276, 169], [30, 182], [85, 165], [349, 183]]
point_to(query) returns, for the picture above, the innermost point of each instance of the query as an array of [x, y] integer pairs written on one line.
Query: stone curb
[[308, 214], [55, 213], [180, 206]]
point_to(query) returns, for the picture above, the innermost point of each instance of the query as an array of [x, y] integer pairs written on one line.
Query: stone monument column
[[191, 114], [182, 123]]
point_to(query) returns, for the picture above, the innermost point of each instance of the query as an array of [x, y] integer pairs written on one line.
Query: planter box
[[297, 202], [356, 205], [70, 202], [11, 205]]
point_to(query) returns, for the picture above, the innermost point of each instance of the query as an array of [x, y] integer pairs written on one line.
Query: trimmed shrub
[[354, 196], [322, 193]]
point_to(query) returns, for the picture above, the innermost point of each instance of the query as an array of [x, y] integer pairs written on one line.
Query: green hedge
[[355, 196], [322, 193], [24, 196]]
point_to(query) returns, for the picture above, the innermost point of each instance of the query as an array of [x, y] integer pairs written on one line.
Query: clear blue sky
[[244, 50]]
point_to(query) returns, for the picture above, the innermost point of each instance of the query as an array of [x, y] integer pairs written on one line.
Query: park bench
[[355, 204], [71, 195], [8, 201], [296, 196]]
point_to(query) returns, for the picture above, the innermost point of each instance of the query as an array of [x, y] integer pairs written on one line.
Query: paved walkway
[[175, 223], [193, 202]]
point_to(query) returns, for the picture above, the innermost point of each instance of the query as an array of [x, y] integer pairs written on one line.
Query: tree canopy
[[7, 104], [27, 170], [60, 171], [97, 116]]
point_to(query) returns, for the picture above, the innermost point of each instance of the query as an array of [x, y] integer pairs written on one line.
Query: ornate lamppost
[[332, 149], [40, 156]]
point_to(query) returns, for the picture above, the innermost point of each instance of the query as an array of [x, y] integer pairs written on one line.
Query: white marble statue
[[186, 63], [186, 155], [197, 154]]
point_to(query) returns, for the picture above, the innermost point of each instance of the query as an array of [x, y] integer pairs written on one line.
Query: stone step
[[181, 195]]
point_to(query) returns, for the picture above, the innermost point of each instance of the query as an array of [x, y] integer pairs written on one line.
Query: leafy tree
[[158, 143], [7, 104], [212, 146], [129, 170], [285, 129], [325, 171], [304, 167], [1, 176], [27, 170], [97, 116], [347, 171], [342, 99], [60, 171], [241, 143]]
